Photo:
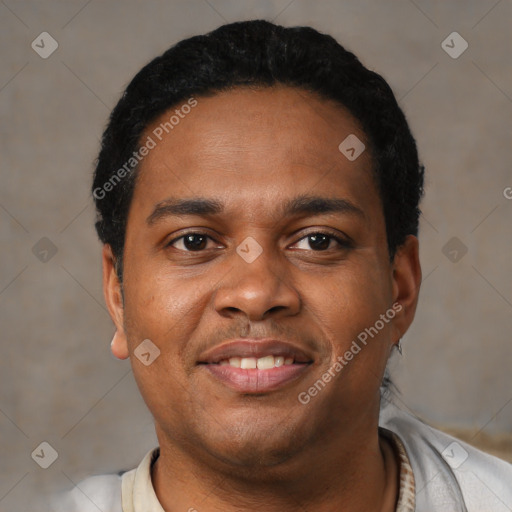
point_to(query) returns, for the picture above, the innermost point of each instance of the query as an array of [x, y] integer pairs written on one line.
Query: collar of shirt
[[407, 490], [138, 494]]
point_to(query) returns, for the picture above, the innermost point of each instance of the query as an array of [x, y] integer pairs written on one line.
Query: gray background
[[59, 382]]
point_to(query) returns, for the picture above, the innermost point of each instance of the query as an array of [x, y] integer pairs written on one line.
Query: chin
[[254, 446]]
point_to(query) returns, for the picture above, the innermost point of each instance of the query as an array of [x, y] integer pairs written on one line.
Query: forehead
[[250, 144]]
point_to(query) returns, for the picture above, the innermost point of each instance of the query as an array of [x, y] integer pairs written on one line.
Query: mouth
[[256, 366]]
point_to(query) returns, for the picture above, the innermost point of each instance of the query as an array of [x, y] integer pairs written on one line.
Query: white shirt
[[438, 473]]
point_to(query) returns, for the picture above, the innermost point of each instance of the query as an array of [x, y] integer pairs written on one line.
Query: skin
[[221, 450]]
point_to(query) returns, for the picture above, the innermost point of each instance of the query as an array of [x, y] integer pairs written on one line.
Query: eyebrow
[[304, 204]]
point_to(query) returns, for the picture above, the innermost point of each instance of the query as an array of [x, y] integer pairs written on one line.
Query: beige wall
[[59, 382]]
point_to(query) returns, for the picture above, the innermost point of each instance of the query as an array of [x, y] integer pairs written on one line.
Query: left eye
[[320, 241], [191, 242]]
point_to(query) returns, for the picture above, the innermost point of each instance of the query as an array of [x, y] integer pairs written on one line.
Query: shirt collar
[[407, 490], [138, 493]]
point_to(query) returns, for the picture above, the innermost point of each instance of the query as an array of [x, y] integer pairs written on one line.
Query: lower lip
[[254, 380]]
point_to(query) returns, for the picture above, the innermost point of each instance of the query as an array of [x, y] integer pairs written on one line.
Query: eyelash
[[343, 243]]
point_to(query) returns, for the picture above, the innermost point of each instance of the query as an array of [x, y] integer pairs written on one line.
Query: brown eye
[[190, 242], [322, 241], [319, 241]]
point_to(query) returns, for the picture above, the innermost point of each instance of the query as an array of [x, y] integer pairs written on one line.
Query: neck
[[360, 475]]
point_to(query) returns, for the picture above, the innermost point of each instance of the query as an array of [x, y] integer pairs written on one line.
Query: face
[[281, 262]]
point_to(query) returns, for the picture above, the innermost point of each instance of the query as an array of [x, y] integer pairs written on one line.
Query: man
[[257, 193]]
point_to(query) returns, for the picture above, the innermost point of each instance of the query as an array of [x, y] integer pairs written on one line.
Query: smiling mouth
[[256, 365], [257, 375]]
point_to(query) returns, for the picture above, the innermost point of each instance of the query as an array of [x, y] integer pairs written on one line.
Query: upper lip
[[255, 348]]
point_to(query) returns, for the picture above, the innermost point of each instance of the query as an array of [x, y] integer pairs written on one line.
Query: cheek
[[167, 310], [351, 297], [349, 313], [157, 300], [163, 311], [348, 307]]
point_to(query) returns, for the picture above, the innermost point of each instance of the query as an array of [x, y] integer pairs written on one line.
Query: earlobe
[[119, 346]]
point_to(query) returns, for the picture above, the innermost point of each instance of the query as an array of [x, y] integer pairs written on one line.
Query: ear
[[406, 282], [114, 300]]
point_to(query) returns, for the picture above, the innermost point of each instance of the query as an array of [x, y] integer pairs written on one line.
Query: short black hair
[[258, 53]]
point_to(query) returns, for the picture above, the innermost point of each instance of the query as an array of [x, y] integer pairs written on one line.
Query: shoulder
[[100, 492], [448, 471], [106, 493]]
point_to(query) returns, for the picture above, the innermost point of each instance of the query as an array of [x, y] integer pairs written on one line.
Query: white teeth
[[262, 363], [235, 361], [248, 363]]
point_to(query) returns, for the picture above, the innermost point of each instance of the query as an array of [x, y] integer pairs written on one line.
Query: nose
[[258, 289]]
